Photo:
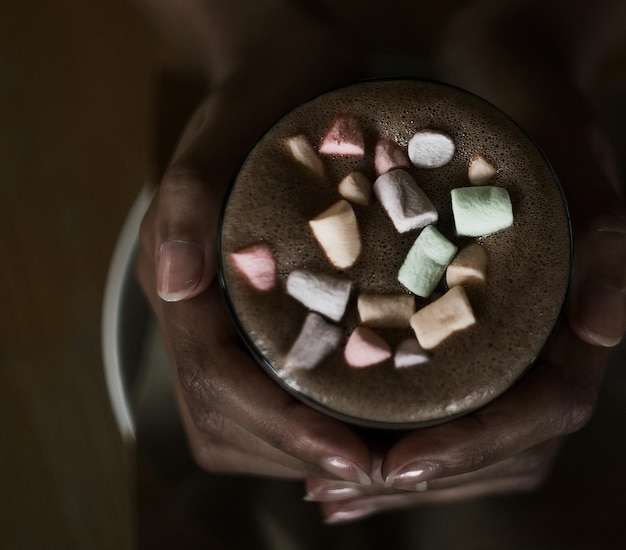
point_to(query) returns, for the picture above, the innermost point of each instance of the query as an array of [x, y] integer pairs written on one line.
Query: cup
[[327, 317]]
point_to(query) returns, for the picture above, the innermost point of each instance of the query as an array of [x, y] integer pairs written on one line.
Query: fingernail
[[331, 492], [601, 309], [351, 513], [411, 477], [346, 470], [179, 269]]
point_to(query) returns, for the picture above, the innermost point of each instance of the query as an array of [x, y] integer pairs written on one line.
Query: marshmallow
[[406, 204], [437, 321], [317, 339], [337, 232], [409, 353], [431, 149], [480, 170], [386, 310], [325, 294], [481, 210], [426, 262], [344, 138], [304, 153], [366, 348], [356, 188], [468, 266], [257, 266], [389, 156]]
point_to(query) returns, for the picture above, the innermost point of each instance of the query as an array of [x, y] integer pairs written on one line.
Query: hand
[[236, 418], [510, 445]]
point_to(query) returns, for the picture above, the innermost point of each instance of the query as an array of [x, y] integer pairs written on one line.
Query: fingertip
[[180, 270], [599, 316], [346, 470]]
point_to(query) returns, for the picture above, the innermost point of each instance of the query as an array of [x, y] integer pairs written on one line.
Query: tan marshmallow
[[386, 310], [468, 266], [303, 152], [356, 188], [480, 170], [439, 320], [337, 232]]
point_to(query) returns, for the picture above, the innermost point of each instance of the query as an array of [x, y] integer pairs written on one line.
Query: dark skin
[[237, 420]]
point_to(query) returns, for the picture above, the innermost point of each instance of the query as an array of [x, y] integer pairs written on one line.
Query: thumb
[[597, 309], [186, 228], [190, 198]]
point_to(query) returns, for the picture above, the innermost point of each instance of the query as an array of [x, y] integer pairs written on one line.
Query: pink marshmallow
[[365, 348], [257, 266], [344, 138], [389, 156]]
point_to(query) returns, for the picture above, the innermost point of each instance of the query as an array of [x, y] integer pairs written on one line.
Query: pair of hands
[[239, 421]]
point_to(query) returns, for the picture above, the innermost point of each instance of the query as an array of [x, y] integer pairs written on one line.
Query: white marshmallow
[[323, 293], [409, 353], [304, 153], [406, 204], [337, 232], [431, 149], [356, 188], [317, 339]]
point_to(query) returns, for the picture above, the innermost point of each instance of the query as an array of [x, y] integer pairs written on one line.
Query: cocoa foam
[[273, 198]]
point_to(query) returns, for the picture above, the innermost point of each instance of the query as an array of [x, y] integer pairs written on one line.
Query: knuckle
[[191, 377], [579, 410], [181, 178]]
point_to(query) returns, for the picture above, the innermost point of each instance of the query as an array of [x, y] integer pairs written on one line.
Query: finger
[[219, 445], [189, 200], [321, 489], [534, 463], [360, 508], [220, 458], [217, 457], [522, 473], [213, 369], [597, 307], [211, 434], [556, 397], [191, 193]]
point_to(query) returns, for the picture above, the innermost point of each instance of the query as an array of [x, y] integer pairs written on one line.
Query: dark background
[[81, 88]]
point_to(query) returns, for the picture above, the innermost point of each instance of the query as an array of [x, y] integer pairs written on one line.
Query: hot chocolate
[[309, 191]]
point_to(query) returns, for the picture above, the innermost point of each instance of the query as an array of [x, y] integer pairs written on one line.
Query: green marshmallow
[[481, 210], [426, 262]]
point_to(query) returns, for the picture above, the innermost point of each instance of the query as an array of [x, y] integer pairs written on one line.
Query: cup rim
[[264, 362]]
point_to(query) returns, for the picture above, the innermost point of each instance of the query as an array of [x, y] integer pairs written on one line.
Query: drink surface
[[516, 308]]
